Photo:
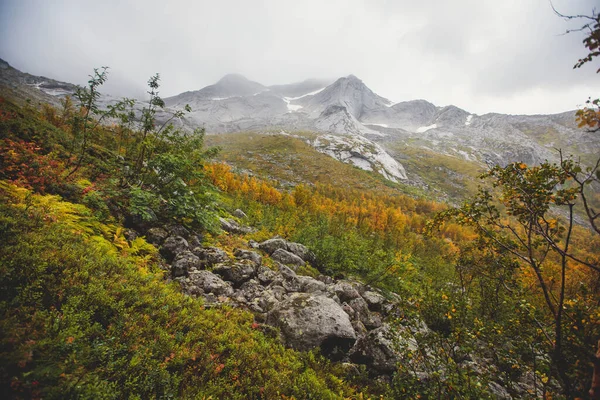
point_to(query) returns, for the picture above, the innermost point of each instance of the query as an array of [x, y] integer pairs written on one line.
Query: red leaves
[[23, 164]]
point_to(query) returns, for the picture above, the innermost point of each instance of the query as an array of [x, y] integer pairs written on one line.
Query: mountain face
[[357, 126]]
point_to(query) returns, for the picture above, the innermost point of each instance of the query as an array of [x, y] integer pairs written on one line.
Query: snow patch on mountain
[[426, 128], [468, 121]]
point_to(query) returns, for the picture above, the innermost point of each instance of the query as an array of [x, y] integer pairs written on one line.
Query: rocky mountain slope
[[355, 125]]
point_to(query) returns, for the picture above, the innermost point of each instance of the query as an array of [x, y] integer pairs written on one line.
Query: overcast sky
[[507, 56]]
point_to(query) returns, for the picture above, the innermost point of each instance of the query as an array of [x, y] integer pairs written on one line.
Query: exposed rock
[[301, 251], [311, 285], [195, 241], [374, 300], [178, 230], [239, 214], [131, 234], [362, 313], [237, 273], [345, 291], [252, 290], [287, 258], [172, 246], [265, 275], [325, 279], [287, 272], [210, 256], [231, 226], [377, 350], [184, 262], [307, 321], [210, 283], [254, 244], [248, 255], [269, 246]]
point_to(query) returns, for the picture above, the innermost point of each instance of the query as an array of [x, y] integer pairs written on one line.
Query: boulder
[[374, 300], [362, 313], [301, 251], [231, 226], [210, 256], [239, 214], [307, 321], [184, 262], [287, 258], [311, 285], [345, 291], [237, 273], [210, 283], [172, 246], [265, 275], [376, 350], [269, 246], [178, 230], [251, 290], [248, 255]]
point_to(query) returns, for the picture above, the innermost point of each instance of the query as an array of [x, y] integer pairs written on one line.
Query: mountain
[[438, 149]]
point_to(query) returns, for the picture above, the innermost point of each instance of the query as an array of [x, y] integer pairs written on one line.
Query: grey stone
[[265, 275], [178, 230], [362, 313], [248, 255], [301, 251], [239, 214], [345, 291], [308, 321], [237, 273], [231, 226], [311, 285], [269, 246], [287, 258], [377, 350], [184, 262], [374, 300], [210, 283], [210, 256], [172, 246]]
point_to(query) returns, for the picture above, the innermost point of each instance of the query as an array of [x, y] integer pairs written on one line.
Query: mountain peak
[[233, 78]]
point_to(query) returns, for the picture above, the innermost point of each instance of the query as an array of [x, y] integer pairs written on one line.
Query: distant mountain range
[[350, 122]]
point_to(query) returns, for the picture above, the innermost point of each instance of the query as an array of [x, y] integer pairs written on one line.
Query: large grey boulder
[[287, 258], [184, 262], [248, 255], [345, 291], [172, 246], [209, 283], [362, 313], [265, 275], [379, 349], [374, 300], [156, 236], [231, 226], [210, 256], [308, 321], [237, 273], [269, 246]]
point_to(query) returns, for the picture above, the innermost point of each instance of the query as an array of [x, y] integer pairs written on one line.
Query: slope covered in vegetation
[[87, 312]]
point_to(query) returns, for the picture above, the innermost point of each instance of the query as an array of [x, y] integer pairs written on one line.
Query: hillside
[[139, 261]]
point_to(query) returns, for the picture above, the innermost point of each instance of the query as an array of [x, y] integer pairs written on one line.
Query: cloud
[[480, 55]]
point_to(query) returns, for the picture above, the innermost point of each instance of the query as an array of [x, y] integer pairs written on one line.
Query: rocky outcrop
[[347, 320], [307, 321]]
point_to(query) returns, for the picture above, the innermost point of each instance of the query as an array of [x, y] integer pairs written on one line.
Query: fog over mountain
[[482, 56], [351, 123]]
